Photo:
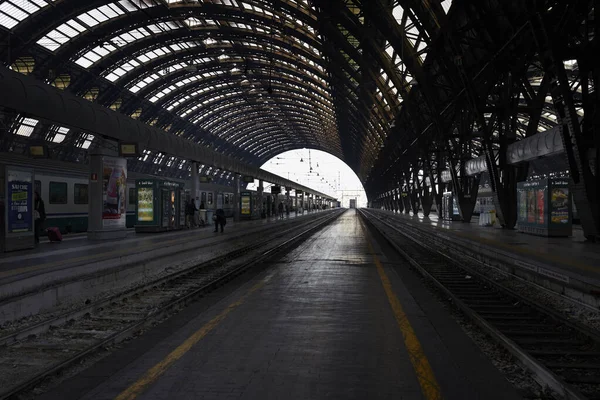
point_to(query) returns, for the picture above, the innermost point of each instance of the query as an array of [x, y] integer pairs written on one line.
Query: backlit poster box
[[145, 210], [20, 201], [544, 207], [559, 205], [114, 184], [246, 207]]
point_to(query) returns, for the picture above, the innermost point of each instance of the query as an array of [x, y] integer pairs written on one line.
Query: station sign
[[204, 179], [248, 179], [38, 150], [275, 189], [129, 150]]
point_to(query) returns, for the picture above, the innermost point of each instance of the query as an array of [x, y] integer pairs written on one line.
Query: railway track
[[562, 355], [37, 352]]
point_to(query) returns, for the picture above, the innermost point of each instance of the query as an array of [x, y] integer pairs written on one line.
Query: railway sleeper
[[571, 366], [523, 341]]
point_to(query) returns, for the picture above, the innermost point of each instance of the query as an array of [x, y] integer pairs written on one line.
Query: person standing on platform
[[220, 219], [190, 211], [280, 210], [39, 213]]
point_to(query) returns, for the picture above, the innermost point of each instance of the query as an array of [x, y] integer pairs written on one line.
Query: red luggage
[[54, 234]]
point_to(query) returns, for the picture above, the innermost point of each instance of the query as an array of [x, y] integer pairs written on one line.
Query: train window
[[37, 187], [210, 198], [132, 196], [80, 193], [57, 193]]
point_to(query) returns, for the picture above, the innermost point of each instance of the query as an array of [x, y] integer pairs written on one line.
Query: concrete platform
[[79, 250], [328, 320], [560, 263], [59, 274]]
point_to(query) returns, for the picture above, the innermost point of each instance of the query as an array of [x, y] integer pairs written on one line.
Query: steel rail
[[177, 303], [542, 374]]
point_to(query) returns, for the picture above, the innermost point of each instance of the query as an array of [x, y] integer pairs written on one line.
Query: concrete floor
[[315, 324]]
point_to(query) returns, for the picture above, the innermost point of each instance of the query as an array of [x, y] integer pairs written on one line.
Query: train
[[64, 189]]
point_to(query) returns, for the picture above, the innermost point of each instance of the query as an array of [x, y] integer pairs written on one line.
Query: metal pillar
[[581, 146], [287, 201], [296, 200], [236, 198], [261, 189], [465, 190], [195, 189]]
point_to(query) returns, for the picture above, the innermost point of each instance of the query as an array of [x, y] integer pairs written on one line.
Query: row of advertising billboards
[[544, 207]]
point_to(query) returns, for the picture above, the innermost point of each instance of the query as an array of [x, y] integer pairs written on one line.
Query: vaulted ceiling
[[360, 79]]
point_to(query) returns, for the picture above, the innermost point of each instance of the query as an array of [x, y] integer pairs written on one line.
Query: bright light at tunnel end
[[320, 171]]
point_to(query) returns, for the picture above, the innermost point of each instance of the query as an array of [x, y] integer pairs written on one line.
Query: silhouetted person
[[39, 213], [220, 219]]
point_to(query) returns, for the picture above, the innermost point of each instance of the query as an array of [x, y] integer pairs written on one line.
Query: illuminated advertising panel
[[114, 185], [20, 201], [245, 203], [145, 210]]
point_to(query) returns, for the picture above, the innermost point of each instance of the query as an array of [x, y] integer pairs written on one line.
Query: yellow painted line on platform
[[429, 385], [155, 372]]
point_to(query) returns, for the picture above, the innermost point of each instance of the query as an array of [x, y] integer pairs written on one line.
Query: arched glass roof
[[361, 79]]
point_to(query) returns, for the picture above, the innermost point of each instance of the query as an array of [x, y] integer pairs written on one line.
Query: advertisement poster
[[559, 203], [531, 212], [182, 208], [145, 204], [455, 207], [245, 205], [114, 184], [20, 202], [522, 206], [540, 205]]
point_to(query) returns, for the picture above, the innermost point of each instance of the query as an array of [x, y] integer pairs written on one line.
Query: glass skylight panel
[[12, 12], [26, 127], [71, 29], [60, 133], [86, 141], [446, 4]]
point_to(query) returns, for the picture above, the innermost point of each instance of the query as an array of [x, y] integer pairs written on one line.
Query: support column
[[465, 191], [581, 144], [400, 201], [236, 198], [426, 198], [296, 200], [107, 206], [261, 189], [195, 189], [287, 200]]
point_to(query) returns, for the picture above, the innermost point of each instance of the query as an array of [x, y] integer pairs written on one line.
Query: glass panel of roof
[[13, 12], [72, 28], [60, 133], [86, 141], [26, 127]]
